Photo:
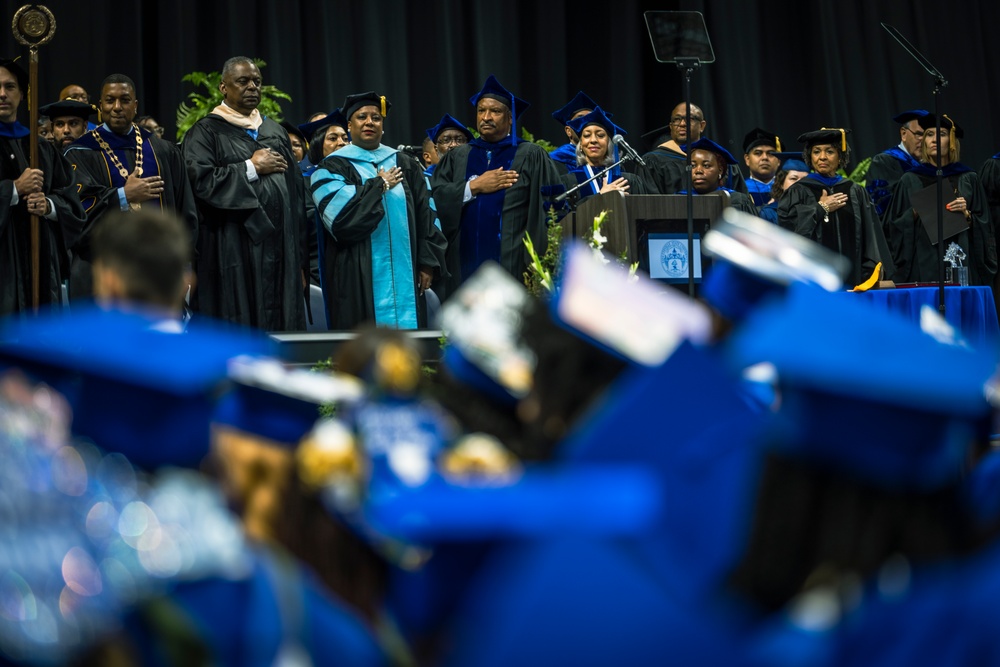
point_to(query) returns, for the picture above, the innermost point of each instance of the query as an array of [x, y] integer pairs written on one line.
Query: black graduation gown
[[853, 231], [99, 195], [916, 258], [884, 172], [347, 258], [665, 172], [523, 207], [251, 236], [989, 178], [55, 236]]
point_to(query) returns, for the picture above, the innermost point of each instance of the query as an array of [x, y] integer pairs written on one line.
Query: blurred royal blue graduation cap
[[756, 261], [794, 162], [866, 391], [448, 121], [712, 147], [580, 102], [133, 388]]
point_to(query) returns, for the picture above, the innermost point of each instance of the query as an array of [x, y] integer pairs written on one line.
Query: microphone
[[619, 141], [410, 149]]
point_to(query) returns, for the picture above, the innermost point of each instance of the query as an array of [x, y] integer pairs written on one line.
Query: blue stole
[[759, 191], [429, 171], [905, 159], [118, 144], [13, 130], [828, 181], [953, 169], [565, 154], [481, 228], [393, 275]]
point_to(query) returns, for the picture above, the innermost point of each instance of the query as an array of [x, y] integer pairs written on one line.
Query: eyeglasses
[[681, 120], [458, 140], [916, 134]]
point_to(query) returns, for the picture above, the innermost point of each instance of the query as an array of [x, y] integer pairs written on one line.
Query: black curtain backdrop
[[786, 66]]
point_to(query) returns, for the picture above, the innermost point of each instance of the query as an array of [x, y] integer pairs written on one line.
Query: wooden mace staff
[[33, 26]]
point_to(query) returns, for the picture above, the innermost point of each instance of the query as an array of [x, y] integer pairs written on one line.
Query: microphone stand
[[561, 198], [939, 83], [687, 66]]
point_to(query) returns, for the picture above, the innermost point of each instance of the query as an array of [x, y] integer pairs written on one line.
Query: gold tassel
[[951, 134], [777, 143], [382, 99], [843, 137]]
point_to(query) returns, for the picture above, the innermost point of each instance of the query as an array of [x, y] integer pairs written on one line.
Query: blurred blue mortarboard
[[794, 164], [759, 137], [912, 114], [866, 391], [133, 389], [756, 260], [580, 102], [596, 117], [711, 146], [335, 117], [354, 102], [448, 121]]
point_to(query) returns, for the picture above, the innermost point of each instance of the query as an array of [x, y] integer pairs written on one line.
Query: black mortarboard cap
[[930, 120], [292, 129], [67, 108], [760, 137], [596, 117], [354, 102], [335, 117], [709, 145], [580, 102], [448, 121], [836, 136], [18, 72], [912, 114]]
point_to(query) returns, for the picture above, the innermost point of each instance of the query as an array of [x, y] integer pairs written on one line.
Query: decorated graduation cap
[[596, 117], [834, 136], [913, 114], [898, 415], [448, 121], [759, 137], [133, 388], [947, 123], [67, 108], [580, 102], [354, 102], [756, 260], [335, 117], [712, 147], [14, 68]]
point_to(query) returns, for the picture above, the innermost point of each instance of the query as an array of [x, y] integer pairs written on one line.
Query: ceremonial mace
[[33, 26]]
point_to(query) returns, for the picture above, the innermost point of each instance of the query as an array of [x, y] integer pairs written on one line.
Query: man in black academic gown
[[488, 192], [760, 154], [665, 164], [69, 121], [380, 248], [48, 192], [251, 206], [888, 167], [122, 167]]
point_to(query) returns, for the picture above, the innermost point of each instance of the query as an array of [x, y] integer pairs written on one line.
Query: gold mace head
[[33, 25]]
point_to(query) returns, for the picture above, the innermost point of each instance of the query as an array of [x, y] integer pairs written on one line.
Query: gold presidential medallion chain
[[135, 206]]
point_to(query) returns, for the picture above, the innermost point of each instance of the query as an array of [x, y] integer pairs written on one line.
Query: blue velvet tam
[[866, 392], [912, 114], [760, 137], [354, 102], [596, 117], [335, 117], [711, 146], [133, 388], [448, 121], [494, 90], [756, 260], [580, 102]]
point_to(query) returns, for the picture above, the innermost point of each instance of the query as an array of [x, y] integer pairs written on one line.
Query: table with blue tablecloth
[[971, 310]]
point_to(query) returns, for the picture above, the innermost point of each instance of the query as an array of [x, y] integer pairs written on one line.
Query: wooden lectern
[[635, 220]]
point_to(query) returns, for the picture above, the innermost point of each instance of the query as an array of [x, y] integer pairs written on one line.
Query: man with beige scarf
[[252, 236]]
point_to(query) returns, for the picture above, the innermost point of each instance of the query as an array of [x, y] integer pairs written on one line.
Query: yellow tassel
[[951, 134], [777, 143], [870, 283], [382, 99]]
